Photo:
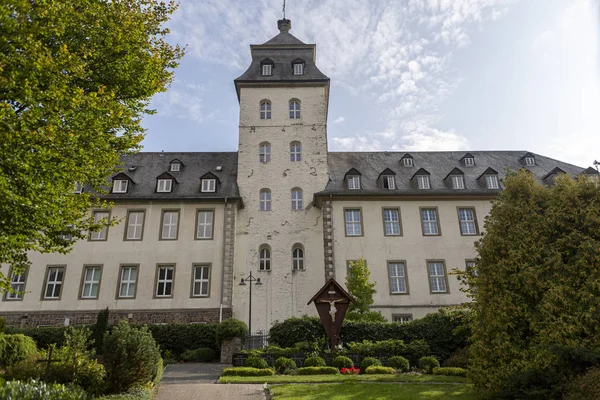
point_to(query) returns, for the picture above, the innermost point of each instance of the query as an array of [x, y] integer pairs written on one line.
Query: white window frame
[[17, 283], [466, 222], [169, 225], [164, 185], [54, 282], [204, 227], [391, 222], [129, 282], [200, 280], [491, 182], [264, 258], [102, 234], [458, 181], [165, 281], [209, 185], [437, 277], [353, 182], [296, 199], [408, 162], [90, 282], [295, 152], [135, 228], [397, 277], [120, 185], [390, 182], [402, 318], [265, 109], [423, 182], [298, 258], [77, 188], [264, 152], [429, 224], [175, 167], [352, 218], [267, 70], [294, 108], [529, 161], [469, 162], [299, 69], [264, 200]]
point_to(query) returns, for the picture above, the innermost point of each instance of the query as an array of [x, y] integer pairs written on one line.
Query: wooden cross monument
[[332, 302]]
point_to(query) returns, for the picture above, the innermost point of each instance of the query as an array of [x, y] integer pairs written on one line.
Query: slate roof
[[438, 164], [143, 169]]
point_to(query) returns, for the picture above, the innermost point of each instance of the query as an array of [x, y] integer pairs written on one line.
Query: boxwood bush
[[378, 369], [284, 365], [255, 362], [450, 371], [229, 329], [342, 362], [315, 361], [427, 364], [247, 371], [15, 348], [398, 362], [318, 371], [40, 391], [368, 361]]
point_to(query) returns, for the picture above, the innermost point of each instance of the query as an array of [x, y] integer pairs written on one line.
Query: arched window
[[298, 257], [265, 109], [264, 258], [265, 200], [264, 152], [295, 151], [294, 109], [296, 199]]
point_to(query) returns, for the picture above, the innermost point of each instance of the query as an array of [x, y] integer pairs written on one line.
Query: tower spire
[[283, 9]]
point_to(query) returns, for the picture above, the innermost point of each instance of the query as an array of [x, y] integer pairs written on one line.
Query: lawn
[[373, 391], [340, 378]]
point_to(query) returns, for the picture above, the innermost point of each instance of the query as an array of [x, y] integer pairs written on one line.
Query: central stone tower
[[282, 162]]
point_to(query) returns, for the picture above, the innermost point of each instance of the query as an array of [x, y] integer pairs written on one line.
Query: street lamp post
[[256, 281]]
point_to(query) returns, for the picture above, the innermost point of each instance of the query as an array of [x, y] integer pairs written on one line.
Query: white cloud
[[183, 100], [339, 120]]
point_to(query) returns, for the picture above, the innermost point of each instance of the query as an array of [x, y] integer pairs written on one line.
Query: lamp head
[[258, 282], [242, 283]]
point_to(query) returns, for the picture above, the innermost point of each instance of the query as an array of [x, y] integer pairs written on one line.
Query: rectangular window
[[470, 267], [354, 182], [54, 282], [204, 225], [469, 162], [164, 185], [467, 221], [200, 281], [353, 225], [128, 281], [397, 276], [169, 226], [391, 222], [164, 281], [120, 186], [423, 181], [529, 161], [407, 162], [298, 69], [209, 185], [135, 225], [91, 282], [103, 233], [429, 220], [458, 182], [265, 200], [389, 182], [296, 199], [491, 181], [17, 284], [267, 69], [175, 167], [437, 276], [402, 318]]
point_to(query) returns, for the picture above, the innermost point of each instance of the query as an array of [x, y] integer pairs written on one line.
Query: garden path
[[198, 381]]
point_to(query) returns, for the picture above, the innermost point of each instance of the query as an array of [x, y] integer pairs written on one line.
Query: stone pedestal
[[229, 348]]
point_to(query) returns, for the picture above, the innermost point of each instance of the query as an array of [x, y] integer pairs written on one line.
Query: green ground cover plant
[[339, 378], [246, 372], [451, 371]]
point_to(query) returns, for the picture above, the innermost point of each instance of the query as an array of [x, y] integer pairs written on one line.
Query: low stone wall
[[56, 318]]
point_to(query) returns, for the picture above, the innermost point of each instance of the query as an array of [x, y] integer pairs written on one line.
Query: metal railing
[[255, 342]]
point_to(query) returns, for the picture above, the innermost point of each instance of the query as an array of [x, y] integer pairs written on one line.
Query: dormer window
[[266, 67], [529, 161], [120, 186], [468, 160], [353, 182], [209, 185], [164, 185], [423, 181], [407, 160], [389, 182], [458, 182], [175, 167], [491, 181], [298, 66]]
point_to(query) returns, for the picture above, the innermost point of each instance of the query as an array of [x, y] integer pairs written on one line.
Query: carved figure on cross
[[332, 308]]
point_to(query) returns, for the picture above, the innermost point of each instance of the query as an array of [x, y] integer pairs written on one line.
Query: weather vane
[[283, 9]]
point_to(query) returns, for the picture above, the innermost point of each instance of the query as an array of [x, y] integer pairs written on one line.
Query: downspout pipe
[[223, 260]]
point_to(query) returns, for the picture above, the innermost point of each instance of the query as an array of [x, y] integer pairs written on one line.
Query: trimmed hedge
[[296, 330], [15, 348], [378, 369], [314, 361], [369, 361], [177, 338], [203, 354], [318, 371], [43, 336], [450, 371], [399, 363], [428, 364], [39, 390], [342, 362], [247, 371]]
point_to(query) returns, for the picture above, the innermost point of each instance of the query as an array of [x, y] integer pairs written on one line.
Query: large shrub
[[284, 365], [295, 330], [415, 350], [131, 357], [398, 362], [44, 337], [342, 362], [314, 361], [586, 386], [318, 371], [2, 324], [203, 354], [255, 362], [390, 347], [177, 338], [459, 359], [229, 329], [247, 371], [427, 364], [100, 329], [15, 348], [40, 391]]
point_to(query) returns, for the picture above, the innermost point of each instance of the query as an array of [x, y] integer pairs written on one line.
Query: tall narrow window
[[353, 223], [429, 221], [54, 282], [120, 186], [265, 200], [265, 109], [294, 109], [491, 181], [353, 182], [264, 258], [264, 152], [297, 258], [423, 181], [91, 282], [391, 221], [204, 225], [397, 276], [298, 69], [267, 69], [468, 225], [135, 225], [458, 181], [102, 233], [169, 226], [164, 281], [295, 151], [437, 276], [296, 199], [128, 281], [17, 284], [201, 281]]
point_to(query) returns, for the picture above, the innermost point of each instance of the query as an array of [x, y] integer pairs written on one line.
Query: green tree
[[76, 77], [362, 290], [536, 285]]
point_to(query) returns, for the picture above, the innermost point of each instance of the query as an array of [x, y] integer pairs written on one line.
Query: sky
[[406, 75]]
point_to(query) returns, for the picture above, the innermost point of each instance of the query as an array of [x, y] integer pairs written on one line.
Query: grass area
[[340, 378], [373, 391], [136, 394]]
